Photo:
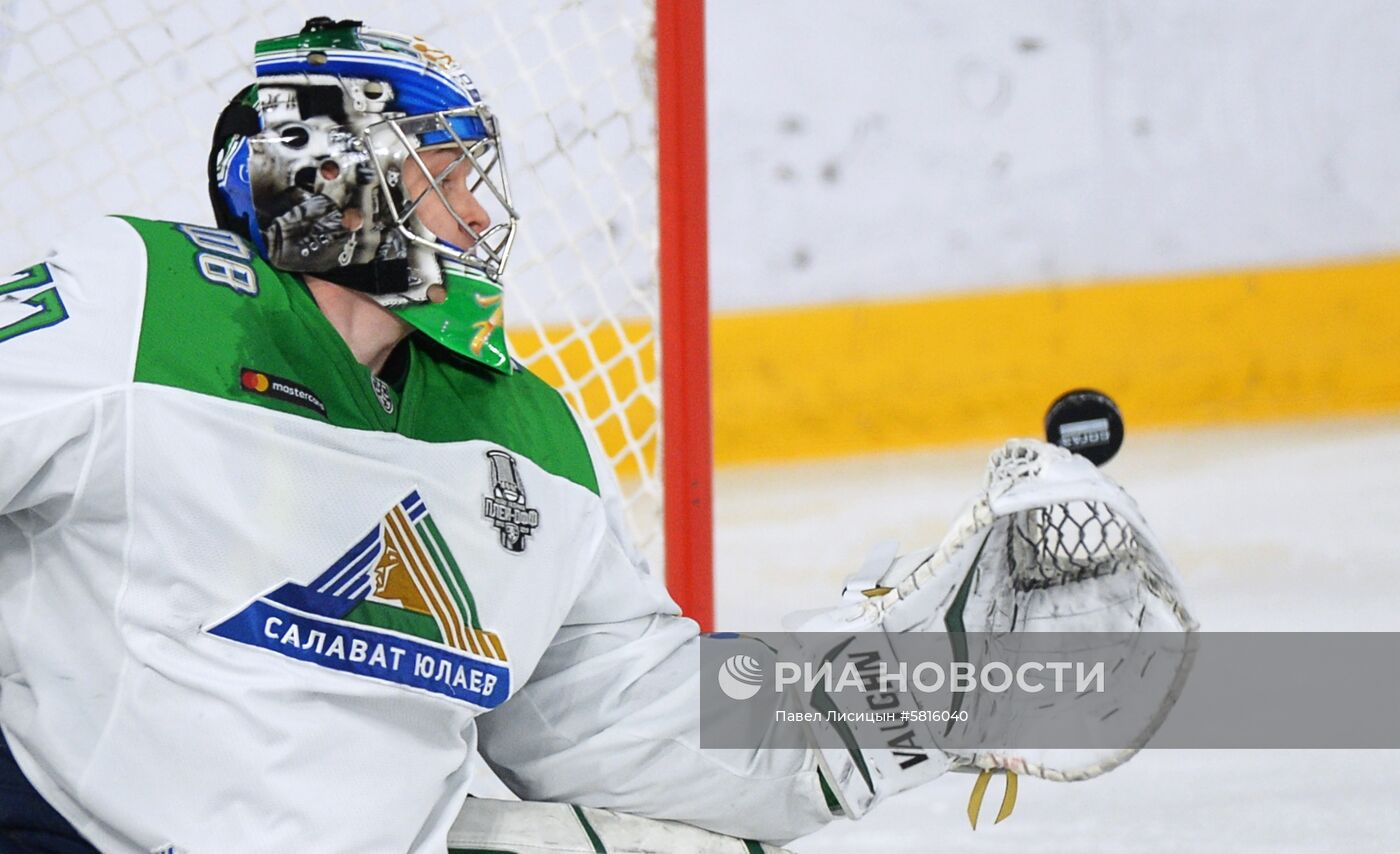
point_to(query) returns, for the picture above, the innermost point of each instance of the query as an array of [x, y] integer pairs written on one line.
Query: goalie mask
[[313, 164]]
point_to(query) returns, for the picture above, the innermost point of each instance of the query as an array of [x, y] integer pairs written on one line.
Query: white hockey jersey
[[254, 599]]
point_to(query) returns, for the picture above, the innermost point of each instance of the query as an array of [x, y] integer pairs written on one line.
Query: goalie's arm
[[67, 327], [609, 717]]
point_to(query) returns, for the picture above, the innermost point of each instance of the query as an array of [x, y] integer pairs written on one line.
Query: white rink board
[[895, 148], [910, 148], [1275, 527]]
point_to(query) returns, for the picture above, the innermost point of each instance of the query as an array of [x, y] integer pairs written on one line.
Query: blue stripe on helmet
[[418, 89], [466, 127], [237, 192]]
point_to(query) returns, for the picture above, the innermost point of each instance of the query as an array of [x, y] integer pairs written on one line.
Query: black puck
[[1086, 422]]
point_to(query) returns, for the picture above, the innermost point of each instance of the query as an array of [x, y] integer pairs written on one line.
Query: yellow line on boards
[[1192, 349]]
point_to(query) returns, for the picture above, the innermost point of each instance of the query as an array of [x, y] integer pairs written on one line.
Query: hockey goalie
[[287, 538]]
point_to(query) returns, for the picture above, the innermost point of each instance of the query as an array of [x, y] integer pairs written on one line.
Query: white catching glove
[[1050, 544]]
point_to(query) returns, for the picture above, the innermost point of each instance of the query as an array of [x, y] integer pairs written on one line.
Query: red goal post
[[685, 328]]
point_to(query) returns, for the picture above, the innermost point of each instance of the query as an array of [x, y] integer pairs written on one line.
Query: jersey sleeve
[[610, 717], [68, 327]]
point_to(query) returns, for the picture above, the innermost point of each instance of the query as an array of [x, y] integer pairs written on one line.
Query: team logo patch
[[505, 506], [277, 388], [381, 391], [394, 607]]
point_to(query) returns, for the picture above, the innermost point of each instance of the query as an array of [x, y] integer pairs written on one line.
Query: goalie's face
[[444, 189], [437, 193]]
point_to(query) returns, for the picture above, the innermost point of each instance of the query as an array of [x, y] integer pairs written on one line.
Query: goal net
[[109, 107]]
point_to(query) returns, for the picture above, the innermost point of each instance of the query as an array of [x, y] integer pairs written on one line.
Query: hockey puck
[[1086, 422]]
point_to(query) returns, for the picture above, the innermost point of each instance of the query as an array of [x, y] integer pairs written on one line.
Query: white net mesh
[[108, 107]]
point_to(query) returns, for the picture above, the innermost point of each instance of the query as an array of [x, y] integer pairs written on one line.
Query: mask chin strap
[[377, 278]]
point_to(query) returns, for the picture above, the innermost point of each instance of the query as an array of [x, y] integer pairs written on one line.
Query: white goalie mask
[[309, 163]]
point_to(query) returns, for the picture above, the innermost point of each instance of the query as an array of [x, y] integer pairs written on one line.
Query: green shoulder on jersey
[[219, 321]]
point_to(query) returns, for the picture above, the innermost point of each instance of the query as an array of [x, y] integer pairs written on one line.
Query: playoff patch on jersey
[[505, 506], [394, 607]]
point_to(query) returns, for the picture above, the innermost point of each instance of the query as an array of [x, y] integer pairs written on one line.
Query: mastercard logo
[[280, 388], [255, 381]]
